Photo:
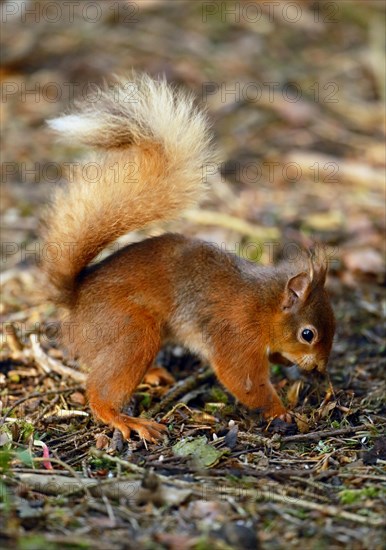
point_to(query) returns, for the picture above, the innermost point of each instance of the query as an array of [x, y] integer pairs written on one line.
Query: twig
[[61, 485], [180, 389], [33, 396], [48, 364], [357, 474], [316, 436], [325, 509], [139, 470], [247, 471], [74, 473], [133, 468], [40, 471]]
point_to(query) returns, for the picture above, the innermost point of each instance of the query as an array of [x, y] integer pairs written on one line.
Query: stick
[[48, 364], [316, 436], [33, 396], [180, 389]]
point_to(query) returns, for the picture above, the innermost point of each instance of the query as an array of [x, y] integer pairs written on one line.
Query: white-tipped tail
[[153, 151], [74, 125]]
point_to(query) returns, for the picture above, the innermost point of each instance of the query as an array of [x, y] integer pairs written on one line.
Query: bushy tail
[[154, 147]]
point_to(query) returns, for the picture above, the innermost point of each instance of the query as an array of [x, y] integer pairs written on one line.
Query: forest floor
[[294, 172]]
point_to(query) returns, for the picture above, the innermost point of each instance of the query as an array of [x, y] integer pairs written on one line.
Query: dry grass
[[318, 484]]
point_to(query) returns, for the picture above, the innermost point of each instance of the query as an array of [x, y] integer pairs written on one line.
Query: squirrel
[[150, 150]]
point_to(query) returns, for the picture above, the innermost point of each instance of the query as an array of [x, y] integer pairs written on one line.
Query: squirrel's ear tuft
[[318, 267], [297, 290], [322, 273]]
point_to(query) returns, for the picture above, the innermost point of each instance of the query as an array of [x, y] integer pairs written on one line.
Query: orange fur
[[120, 311]]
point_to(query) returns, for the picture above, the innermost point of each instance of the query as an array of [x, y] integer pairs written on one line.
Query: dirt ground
[[295, 92]]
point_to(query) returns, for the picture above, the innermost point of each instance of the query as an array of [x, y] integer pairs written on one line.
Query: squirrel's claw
[[286, 417], [146, 429]]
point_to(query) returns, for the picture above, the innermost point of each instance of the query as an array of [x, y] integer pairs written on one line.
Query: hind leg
[[119, 369], [158, 376]]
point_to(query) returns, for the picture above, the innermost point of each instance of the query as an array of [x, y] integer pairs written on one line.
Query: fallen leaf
[[327, 408], [78, 397], [102, 442], [302, 423], [204, 455]]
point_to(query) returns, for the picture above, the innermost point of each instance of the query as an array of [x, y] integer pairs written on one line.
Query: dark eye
[[307, 335]]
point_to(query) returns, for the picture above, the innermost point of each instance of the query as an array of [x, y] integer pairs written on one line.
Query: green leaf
[[204, 454], [25, 457]]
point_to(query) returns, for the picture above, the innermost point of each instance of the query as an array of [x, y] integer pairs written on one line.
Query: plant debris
[[297, 103]]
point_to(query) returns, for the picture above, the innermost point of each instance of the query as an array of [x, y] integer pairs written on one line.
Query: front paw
[[286, 417], [278, 412]]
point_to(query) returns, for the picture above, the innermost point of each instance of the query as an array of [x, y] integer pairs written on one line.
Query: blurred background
[[295, 91]]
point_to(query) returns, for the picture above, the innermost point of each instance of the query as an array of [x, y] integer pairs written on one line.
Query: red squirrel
[[152, 145]]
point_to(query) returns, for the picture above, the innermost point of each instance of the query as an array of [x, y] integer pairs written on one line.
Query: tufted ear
[[297, 290], [322, 273], [318, 269]]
